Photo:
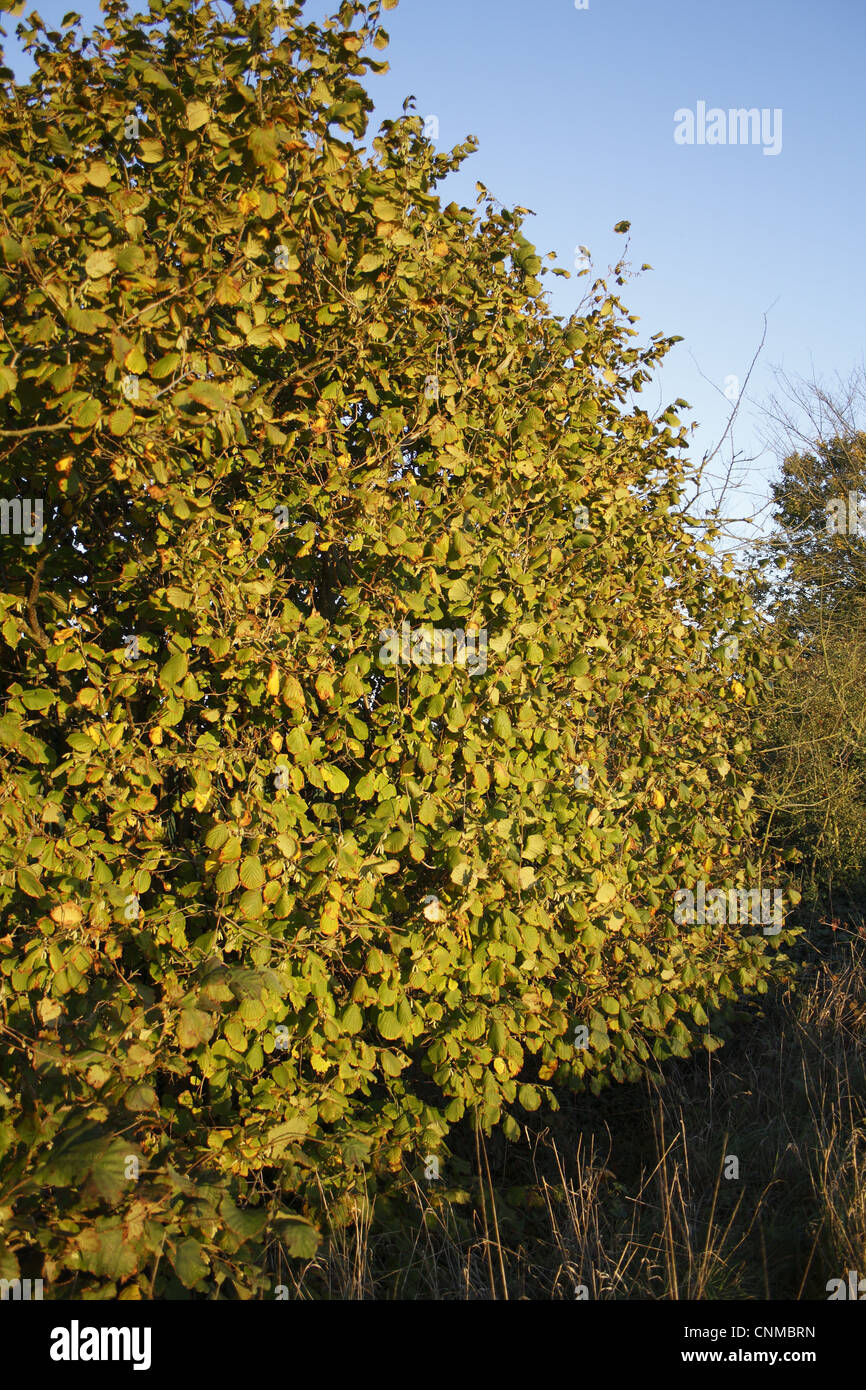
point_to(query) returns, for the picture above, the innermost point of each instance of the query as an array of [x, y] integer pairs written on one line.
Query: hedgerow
[[284, 898]]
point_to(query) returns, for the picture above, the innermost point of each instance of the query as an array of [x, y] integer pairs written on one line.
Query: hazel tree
[[364, 700]]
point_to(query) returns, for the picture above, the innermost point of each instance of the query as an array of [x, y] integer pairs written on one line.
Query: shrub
[[280, 906]]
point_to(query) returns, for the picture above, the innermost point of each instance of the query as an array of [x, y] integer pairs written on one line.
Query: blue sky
[[574, 111]]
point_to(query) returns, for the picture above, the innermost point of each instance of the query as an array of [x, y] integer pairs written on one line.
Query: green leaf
[[141, 1097], [39, 699], [120, 420], [226, 880], [105, 1251], [108, 1173], [13, 735], [389, 1025], [334, 778], [217, 836], [365, 787], [174, 671], [386, 211], [262, 145], [150, 151], [252, 873], [86, 413], [194, 1027], [165, 366], [98, 173], [502, 725], [298, 1238], [197, 114], [99, 264], [128, 258], [459, 591], [353, 1019], [207, 393], [12, 250], [251, 905], [135, 360], [371, 261], [246, 1223], [30, 884], [529, 1098], [189, 1263]]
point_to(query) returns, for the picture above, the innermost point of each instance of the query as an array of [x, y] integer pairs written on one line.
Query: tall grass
[[632, 1195]]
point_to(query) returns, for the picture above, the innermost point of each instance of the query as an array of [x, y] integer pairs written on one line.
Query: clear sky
[[575, 113]]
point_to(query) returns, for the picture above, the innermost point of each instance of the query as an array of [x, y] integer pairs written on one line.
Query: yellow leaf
[[48, 1010], [658, 800], [329, 922], [155, 736], [248, 201], [738, 690], [277, 742], [324, 686], [66, 914], [273, 680]]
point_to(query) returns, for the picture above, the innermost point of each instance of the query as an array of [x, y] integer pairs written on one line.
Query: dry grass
[[628, 1195]]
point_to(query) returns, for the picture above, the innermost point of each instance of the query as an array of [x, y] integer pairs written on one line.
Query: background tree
[[812, 763]]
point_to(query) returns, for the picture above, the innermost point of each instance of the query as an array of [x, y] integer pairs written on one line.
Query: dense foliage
[[283, 898], [811, 762]]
